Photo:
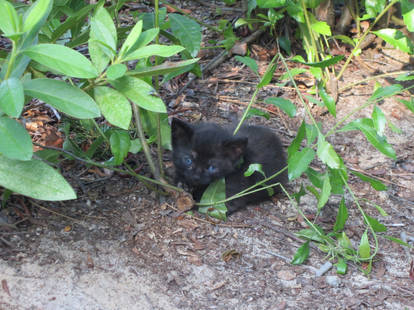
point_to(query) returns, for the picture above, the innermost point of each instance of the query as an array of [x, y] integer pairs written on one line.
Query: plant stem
[[372, 78], [157, 87], [248, 190], [246, 111], [269, 67], [144, 143], [191, 17], [311, 34], [363, 37], [100, 131], [94, 163], [365, 219], [11, 60]]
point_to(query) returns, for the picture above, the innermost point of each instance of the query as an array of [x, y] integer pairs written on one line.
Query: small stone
[[286, 275], [333, 281]]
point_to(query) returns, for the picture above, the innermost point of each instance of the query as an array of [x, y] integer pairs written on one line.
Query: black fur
[[205, 152]]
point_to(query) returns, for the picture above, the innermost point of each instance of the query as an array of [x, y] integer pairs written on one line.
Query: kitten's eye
[[212, 169], [187, 161]]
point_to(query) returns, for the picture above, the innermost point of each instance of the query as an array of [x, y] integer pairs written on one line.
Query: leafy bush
[[44, 64]]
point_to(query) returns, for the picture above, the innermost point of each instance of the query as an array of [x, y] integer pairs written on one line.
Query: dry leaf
[[229, 255], [184, 201], [5, 287], [195, 260], [89, 262]]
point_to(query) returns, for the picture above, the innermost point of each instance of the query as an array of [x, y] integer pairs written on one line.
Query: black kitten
[[206, 152]]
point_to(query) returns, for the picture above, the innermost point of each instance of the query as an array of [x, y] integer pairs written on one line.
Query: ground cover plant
[[119, 82]]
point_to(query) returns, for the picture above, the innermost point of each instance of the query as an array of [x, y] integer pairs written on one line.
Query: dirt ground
[[118, 246]]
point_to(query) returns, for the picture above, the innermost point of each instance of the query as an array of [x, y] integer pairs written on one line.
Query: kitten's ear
[[181, 132], [235, 147]]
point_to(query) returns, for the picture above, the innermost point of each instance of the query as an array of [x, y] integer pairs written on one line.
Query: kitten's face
[[204, 153]]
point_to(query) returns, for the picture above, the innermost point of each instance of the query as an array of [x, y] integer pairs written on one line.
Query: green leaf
[[135, 147], [379, 120], [376, 226], [215, 192], [116, 71], [407, 10], [103, 28], [327, 154], [341, 266], [295, 11], [405, 77], [250, 62], [299, 194], [380, 210], [150, 124], [34, 178], [140, 93], [62, 59], [257, 112], [15, 142], [284, 104], [253, 168], [9, 21], [267, 4], [187, 31], [145, 38], [154, 50], [397, 240], [162, 69], [387, 91], [36, 15], [120, 144], [131, 39], [321, 64], [11, 97], [341, 217], [293, 72], [65, 97], [301, 254], [377, 185], [311, 133], [299, 162], [328, 101], [267, 76], [312, 234], [364, 250], [409, 104], [114, 106], [397, 39], [344, 39], [367, 127], [103, 39], [315, 177], [374, 7], [335, 177], [71, 22], [344, 241], [313, 191], [321, 27], [325, 193], [295, 144]]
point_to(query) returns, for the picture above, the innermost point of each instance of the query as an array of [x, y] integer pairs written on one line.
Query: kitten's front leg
[[235, 205], [198, 192]]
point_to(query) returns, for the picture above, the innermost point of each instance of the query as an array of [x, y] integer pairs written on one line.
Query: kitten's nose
[[196, 178]]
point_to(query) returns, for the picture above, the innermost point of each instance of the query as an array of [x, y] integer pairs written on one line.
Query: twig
[[94, 163], [211, 222], [220, 58], [54, 212]]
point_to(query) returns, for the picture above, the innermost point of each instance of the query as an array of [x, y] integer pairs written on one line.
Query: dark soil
[[119, 246]]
